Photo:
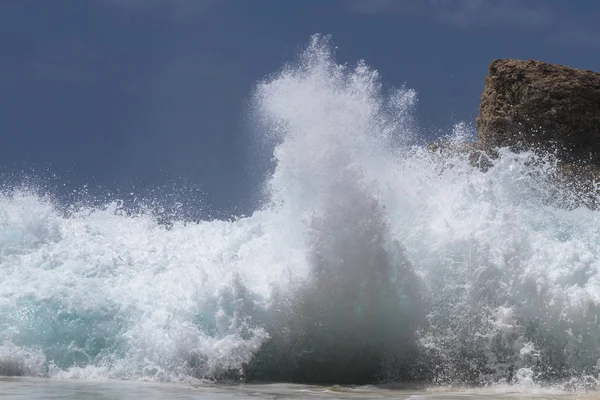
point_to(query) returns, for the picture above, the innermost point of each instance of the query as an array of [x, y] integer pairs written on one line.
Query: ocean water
[[371, 260], [20, 388]]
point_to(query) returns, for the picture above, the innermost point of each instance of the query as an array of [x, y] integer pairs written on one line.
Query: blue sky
[[124, 92]]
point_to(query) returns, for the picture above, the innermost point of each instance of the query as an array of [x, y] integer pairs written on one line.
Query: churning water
[[372, 259]]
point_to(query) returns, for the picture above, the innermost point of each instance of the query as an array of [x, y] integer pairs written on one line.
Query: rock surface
[[536, 105]]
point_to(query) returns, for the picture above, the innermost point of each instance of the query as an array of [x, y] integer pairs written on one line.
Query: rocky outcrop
[[547, 108], [536, 105]]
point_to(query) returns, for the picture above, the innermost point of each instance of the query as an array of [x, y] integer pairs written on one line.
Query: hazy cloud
[[482, 13], [465, 13], [559, 26]]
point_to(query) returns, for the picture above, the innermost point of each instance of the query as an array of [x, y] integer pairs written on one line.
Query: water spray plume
[[371, 259]]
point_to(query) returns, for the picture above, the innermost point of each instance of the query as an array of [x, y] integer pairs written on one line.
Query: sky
[[132, 95]]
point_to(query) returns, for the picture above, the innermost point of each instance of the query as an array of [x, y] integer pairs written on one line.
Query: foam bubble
[[373, 258]]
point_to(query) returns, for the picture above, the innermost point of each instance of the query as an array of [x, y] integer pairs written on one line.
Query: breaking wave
[[372, 259]]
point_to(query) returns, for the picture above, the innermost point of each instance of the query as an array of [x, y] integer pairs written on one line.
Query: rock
[[580, 185], [540, 106], [447, 149]]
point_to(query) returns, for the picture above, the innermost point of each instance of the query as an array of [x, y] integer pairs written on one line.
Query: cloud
[[563, 26], [465, 13], [481, 13]]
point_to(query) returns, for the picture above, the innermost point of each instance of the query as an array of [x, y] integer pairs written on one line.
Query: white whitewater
[[371, 259]]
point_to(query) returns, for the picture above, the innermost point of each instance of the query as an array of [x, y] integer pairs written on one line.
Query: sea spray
[[371, 259], [104, 293], [361, 301]]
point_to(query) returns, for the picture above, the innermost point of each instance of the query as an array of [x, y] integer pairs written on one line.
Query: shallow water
[[33, 388]]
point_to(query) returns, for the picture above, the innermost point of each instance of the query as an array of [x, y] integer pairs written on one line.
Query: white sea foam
[[371, 255]]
